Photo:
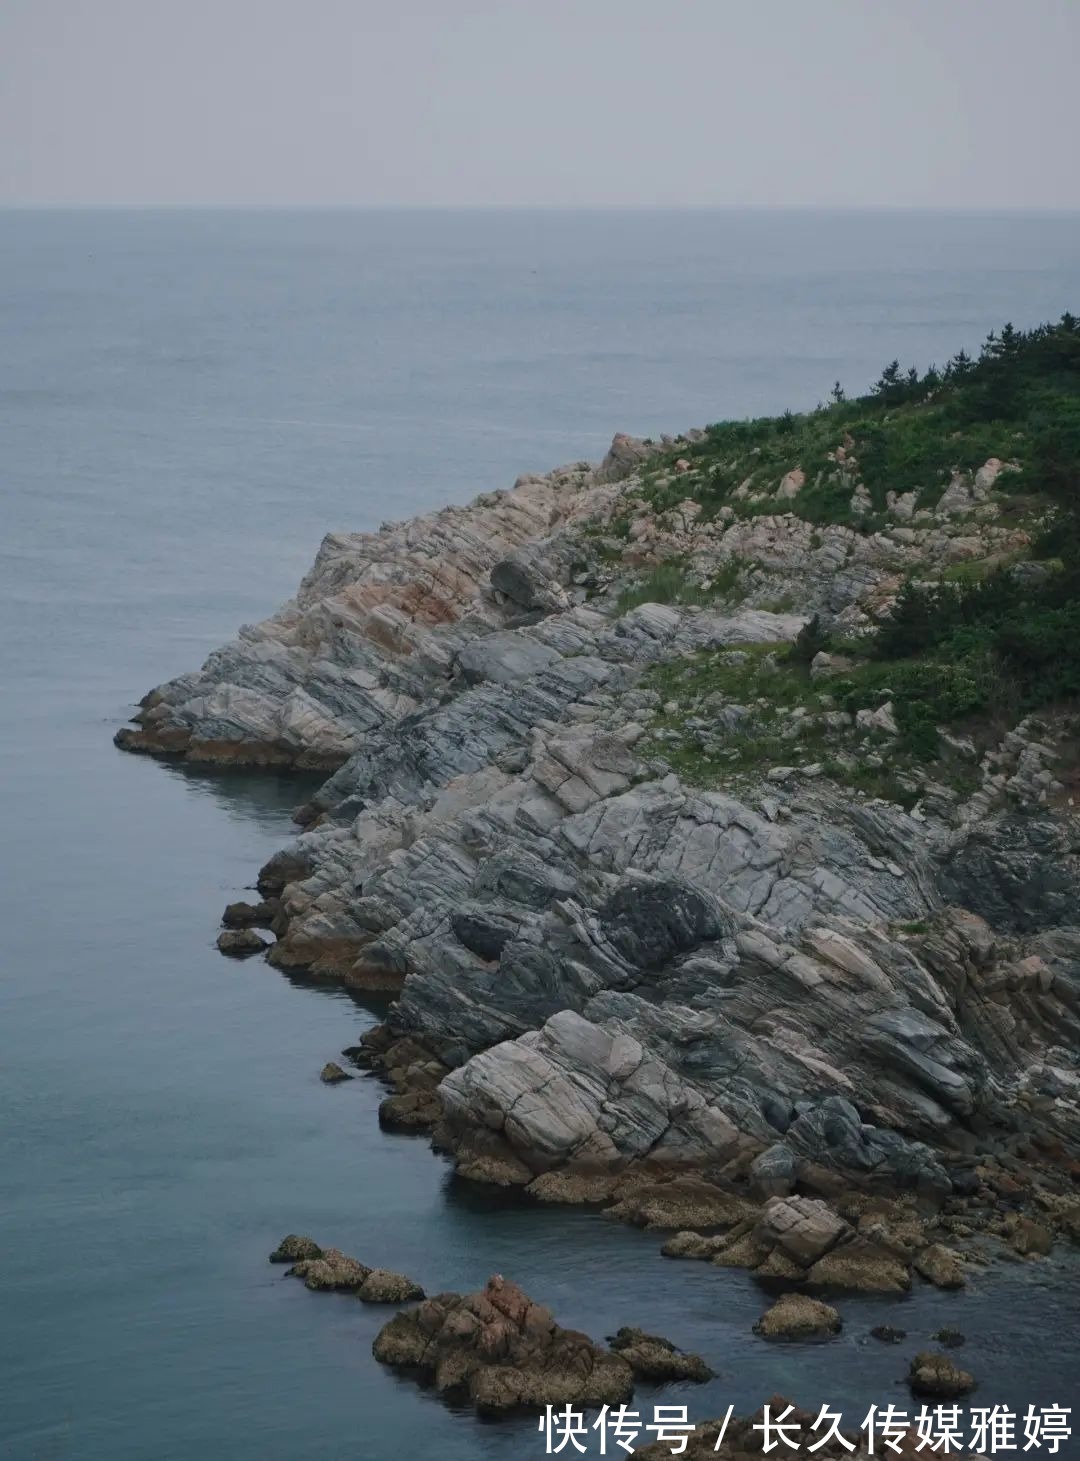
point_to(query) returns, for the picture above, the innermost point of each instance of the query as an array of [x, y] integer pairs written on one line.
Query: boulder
[[773, 1173], [385, 1287], [936, 1376], [294, 1249], [804, 1227], [239, 942], [656, 1359], [332, 1270], [244, 915], [796, 1316], [624, 455], [501, 1351], [332, 1074], [941, 1266], [411, 1111]]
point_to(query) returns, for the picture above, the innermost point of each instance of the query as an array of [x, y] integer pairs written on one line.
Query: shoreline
[[586, 950]]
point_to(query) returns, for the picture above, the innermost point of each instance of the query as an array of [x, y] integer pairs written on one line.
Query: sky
[[968, 104]]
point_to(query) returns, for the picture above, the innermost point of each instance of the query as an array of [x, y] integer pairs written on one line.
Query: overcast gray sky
[[952, 103]]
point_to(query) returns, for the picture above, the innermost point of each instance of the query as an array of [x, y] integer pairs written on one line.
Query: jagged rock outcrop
[[599, 967], [500, 1350]]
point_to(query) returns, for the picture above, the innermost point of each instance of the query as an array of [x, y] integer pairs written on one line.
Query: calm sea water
[[188, 402]]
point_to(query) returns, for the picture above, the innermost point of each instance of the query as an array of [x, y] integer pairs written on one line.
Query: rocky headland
[[720, 871]]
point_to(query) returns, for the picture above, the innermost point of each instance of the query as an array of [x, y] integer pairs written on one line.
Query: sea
[[189, 400]]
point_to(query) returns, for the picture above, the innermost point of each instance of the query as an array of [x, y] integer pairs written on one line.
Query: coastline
[[757, 1017]]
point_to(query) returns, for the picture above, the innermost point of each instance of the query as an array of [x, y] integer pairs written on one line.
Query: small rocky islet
[[709, 814]]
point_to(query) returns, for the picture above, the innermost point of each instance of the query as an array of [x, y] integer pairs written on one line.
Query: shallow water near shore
[[189, 401]]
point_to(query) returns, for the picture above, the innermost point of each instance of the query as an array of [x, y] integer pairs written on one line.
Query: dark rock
[[239, 942], [656, 1359], [483, 930], [773, 1172], [244, 915], [332, 1074], [385, 1287], [651, 921], [294, 1249], [951, 1338], [937, 1377], [502, 1352], [887, 1334], [332, 1270]]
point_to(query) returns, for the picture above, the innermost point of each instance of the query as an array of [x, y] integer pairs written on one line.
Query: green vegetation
[[1020, 400], [785, 721], [985, 643], [974, 647], [672, 583]]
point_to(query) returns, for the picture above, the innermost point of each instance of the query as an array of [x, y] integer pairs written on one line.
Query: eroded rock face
[[802, 1227], [502, 1351], [599, 968]]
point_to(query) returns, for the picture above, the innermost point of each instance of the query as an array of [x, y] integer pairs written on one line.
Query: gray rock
[[802, 1227], [617, 966], [773, 1172]]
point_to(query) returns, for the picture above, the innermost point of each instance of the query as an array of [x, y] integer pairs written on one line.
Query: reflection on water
[[261, 796]]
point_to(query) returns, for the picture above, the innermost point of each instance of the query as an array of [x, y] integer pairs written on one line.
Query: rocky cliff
[[652, 888]]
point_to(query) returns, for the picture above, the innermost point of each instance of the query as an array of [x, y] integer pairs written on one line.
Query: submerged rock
[[887, 1334], [797, 1316], [656, 1359], [501, 1351], [936, 1376]]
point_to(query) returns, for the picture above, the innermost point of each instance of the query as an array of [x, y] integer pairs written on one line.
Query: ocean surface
[[188, 401]]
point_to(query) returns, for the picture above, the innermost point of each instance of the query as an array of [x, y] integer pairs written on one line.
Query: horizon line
[[158, 206]]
